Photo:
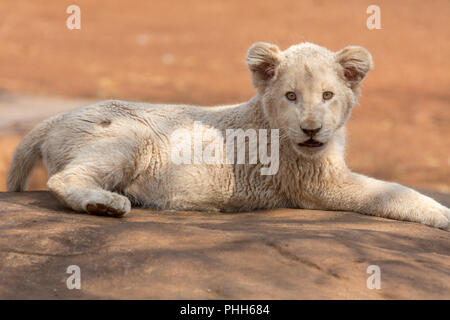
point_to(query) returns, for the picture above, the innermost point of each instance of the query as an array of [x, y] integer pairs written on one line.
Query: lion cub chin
[[282, 148]]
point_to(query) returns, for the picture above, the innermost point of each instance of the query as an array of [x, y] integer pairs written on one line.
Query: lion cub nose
[[311, 132]]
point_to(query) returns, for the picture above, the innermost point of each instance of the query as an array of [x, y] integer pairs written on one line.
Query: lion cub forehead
[[308, 50]]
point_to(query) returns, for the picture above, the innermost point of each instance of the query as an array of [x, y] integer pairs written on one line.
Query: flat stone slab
[[276, 254]]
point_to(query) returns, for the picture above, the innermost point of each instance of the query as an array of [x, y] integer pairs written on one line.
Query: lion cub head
[[308, 91]]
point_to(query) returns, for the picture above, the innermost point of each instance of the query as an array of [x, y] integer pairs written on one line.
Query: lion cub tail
[[25, 157]]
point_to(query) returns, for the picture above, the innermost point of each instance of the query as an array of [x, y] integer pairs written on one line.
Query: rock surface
[[277, 254]]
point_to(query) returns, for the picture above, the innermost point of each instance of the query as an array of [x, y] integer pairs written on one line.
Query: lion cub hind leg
[[81, 192]]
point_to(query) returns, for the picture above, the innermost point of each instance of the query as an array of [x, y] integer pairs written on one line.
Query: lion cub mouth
[[311, 143]]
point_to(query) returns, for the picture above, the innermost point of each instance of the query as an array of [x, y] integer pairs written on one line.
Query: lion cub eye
[[291, 96], [327, 95]]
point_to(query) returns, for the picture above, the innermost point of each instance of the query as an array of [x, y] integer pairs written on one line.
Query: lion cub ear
[[356, 62], [263, 59]]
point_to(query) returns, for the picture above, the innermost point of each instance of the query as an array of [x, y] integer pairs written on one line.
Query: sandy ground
[[193, 52]]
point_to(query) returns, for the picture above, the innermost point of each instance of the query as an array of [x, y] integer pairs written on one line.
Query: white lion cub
[[103, 157]]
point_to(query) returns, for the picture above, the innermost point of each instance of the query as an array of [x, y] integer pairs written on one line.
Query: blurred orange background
[[194, 52]]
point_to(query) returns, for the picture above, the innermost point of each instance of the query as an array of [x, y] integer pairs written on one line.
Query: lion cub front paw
[[446, 213], [108, 205], [439, 216]]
